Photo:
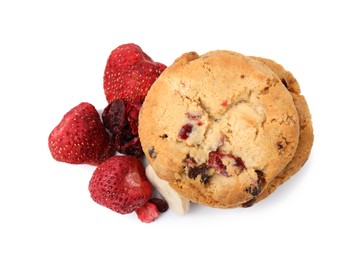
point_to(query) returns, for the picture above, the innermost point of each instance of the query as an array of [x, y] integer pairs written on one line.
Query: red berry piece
[[161, 204], [80, 137], [148, 212], [120, 184], [114, 116], [185, 131], [129, 74]]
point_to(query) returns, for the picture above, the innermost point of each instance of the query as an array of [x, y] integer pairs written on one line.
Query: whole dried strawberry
[[120, 184], [129, 74], [80, 137]]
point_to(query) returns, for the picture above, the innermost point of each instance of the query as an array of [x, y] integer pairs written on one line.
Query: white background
[[52, 57]]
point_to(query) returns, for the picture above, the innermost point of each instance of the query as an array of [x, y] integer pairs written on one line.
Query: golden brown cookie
[[306, 138], [218, 127]]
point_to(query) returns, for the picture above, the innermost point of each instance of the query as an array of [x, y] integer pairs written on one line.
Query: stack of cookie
[[224, 129]]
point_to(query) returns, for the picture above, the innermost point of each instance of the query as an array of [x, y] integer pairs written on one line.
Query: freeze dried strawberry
[[80, 137], [129, 74], [120, 184], [148, 213]]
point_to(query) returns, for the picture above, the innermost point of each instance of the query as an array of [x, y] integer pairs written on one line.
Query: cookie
[[306, 137], [218, 127]]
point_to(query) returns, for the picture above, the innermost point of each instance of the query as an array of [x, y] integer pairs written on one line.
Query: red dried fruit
[[80, 137], [114, 116], [161, 204], [120, 184], [240, 163], [224, 103], [132, 111], [185, 131], [192, 116], [129, 74], [148, 212], [121, 119], [132, 147], [215, 161]]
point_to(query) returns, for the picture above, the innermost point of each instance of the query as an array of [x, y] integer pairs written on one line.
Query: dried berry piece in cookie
[[215, 162], [185, 131]]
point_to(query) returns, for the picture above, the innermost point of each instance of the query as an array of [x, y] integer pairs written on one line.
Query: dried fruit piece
[[132, 111], [120, 184], [131, 147], [215, 161], [80, 137], [161, 204], [129, 74], [121, 119], [114, 116], [185, 131], [148, 212]]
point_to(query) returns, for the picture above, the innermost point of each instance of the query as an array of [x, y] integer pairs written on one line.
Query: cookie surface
[[218, 127], [306, 137]]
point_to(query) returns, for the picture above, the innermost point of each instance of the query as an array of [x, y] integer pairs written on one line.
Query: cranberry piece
[[161, 204], [224, 103], [132, 147], [215, 161], [132, 111], [114, 116], [240, 163], [185, 131]]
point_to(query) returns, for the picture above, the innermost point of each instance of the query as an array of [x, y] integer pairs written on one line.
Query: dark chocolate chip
[[260, 179], [280, 145], [163, 136], [249, 203], [193, 172], [285, 83], [152, 152]]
